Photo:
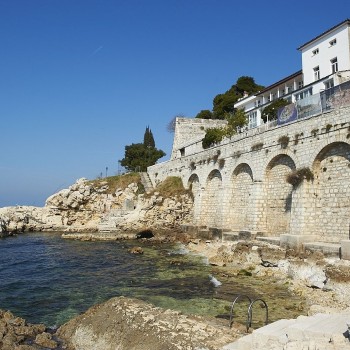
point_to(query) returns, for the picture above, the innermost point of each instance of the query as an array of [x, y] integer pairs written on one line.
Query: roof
[[299, 72], [347, 21]]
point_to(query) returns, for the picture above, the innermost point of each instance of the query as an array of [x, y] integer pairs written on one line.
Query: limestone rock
[[123, 323], [136, 250], [45, 340]]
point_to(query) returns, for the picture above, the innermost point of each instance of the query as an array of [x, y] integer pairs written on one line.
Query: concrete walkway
[[321, 331]]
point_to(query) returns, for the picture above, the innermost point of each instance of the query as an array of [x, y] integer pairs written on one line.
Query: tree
[[148, 139], [139, 156], [235, 121], [224, 103], [270, 112], [248, 85], [205, 114]]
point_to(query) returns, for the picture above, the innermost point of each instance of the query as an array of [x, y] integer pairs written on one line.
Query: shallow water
[[44, 278]]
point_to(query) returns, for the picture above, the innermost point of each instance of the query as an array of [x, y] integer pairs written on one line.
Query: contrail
[[97, 50]]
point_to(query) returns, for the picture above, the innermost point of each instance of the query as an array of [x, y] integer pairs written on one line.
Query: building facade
[[325, 65], [244, 184]]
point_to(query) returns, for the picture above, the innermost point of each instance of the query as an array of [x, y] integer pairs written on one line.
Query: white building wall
[[341, 50]]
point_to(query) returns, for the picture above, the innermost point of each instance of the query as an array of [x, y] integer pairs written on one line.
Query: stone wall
[[240, 184]]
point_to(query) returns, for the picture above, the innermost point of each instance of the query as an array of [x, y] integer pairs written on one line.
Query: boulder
[[124, 324]]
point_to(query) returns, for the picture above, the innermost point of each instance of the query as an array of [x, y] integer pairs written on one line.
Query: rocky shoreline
[[125, 323], [95, 207], [84, 208]]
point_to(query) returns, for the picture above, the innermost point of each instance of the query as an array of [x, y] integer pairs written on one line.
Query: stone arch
[[194, 185], [193, 182], [331, 169], [240, 199], [278, 194], [211, 201]]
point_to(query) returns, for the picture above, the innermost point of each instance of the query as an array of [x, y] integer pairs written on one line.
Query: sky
[[81, 79]]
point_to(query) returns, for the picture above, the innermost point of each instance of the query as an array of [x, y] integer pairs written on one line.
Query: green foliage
[[224, 103], [119, 181], [221, 163], [257, 146], [296, 177], [247, 84], [234, 121], [148, 139], [283, 141], [205, 114], [170, 187], [138, 157], [212, 137], [314, 132], [270, 112]]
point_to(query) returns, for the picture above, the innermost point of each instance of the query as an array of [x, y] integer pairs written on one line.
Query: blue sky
[[80, 79]]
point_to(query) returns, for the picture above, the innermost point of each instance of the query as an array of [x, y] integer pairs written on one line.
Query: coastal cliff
[[91, 206]]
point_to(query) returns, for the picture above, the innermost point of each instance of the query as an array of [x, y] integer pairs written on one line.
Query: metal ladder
[[250, 310]]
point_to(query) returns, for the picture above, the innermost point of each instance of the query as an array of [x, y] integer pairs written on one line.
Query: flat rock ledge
[[124, 324]]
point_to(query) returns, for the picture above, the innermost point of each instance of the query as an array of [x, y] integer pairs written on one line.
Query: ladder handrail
[[250, 312], [233, 304]]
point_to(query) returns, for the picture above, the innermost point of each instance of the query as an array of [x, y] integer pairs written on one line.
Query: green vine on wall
[[297, 176]]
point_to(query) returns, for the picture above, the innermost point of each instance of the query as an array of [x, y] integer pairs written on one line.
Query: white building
[[325, 64]]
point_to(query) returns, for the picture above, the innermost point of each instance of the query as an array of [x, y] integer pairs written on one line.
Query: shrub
[[236, 154], [258, 146], [296, 177], [170, 187], [296, 138], [328, 127], [314, 132], [283, 141], [221, 163], [212, 137]]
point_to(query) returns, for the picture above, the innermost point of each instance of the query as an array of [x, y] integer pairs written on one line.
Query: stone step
[[321, 328], [230, 236], [260, 338], [271, 240], [328, 249]]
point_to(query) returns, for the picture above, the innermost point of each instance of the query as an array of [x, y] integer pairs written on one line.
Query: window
[[308, 92], [315, 52], [334, 65], [252, 119], [332, 42], [303, 94], [329, 84], [317, 73], [300, 84]]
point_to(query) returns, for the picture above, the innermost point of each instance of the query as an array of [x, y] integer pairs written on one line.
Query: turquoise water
[[44, 278]]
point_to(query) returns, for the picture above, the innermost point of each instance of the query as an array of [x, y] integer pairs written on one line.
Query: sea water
[[47, 279]]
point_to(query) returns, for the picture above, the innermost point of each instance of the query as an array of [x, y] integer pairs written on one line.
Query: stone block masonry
[[241, 183]]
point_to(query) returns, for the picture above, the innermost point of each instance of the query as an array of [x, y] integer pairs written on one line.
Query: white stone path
[[318, 332]]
